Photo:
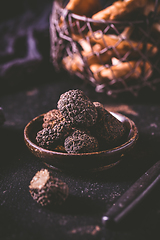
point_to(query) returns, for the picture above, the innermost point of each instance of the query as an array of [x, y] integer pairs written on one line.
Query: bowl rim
[[129, 143]]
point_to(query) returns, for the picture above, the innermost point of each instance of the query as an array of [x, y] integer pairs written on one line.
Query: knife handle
[[133, 196]]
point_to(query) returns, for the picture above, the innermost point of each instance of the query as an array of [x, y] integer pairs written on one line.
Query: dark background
[[30, 86]]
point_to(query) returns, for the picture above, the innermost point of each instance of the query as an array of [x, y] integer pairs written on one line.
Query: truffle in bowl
[[80, 135], [98, 160]]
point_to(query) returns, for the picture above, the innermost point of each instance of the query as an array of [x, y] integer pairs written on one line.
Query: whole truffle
[[45, 189], [108, 129], [76, 107], [49, 137], [80, 142], [52, 118]]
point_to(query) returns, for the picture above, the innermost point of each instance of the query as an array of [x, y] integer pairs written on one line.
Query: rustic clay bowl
[[95, 161]]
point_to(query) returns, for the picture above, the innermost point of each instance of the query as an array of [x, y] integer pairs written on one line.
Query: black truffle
[[52, 118], [76, 107], [45, 189], [49, 137], [80, 142], [108, 129]]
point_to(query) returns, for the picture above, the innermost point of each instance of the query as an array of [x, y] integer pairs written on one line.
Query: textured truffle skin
[[49, 137], [108, 130], [45, 189], [52, 118], [76, 107], [80, 142]]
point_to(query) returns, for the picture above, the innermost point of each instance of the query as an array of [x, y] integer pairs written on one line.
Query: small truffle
[[52, 118], [45, 189], [80, 142], [76, 107], [49, 137], [108, 130]]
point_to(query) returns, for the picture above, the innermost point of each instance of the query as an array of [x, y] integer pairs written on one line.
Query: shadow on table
[[75, 205]]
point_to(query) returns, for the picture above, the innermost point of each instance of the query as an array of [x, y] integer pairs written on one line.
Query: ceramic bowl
[[95, 161]]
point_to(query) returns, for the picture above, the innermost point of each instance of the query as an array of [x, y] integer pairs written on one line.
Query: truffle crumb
[[80, 142], [45, 189], [60, 148], [76, 107]]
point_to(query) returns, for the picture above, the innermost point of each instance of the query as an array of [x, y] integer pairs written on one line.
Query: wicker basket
[[114, 56]]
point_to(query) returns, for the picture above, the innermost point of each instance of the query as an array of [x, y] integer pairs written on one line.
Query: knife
[[133, 196]]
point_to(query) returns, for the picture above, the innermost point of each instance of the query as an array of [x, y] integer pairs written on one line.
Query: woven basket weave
[[83, 47]]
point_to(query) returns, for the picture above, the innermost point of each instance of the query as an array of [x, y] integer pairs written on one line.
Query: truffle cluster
[[79, 125], [45, 189]]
